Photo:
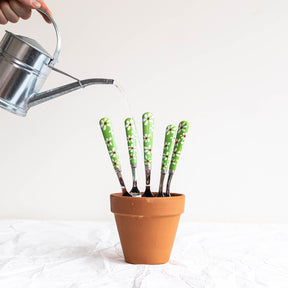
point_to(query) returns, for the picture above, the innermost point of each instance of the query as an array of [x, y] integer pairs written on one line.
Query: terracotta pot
[[147, 226]]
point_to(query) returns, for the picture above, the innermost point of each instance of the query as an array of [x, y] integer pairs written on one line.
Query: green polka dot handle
[[131, 140], [107, 131], [148, 130], [180, 139], [169, 141]]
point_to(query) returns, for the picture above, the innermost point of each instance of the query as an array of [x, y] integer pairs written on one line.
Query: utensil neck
[[162, 176], [171, 173], [121, 181], [148, 175], [134, 177]]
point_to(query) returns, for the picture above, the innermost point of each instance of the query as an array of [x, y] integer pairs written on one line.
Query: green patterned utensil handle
[[169, 141], [131, 140], [108, 135], [180, 139], [148, 130]]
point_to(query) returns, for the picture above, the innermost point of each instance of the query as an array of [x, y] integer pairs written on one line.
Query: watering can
[[24, 67]]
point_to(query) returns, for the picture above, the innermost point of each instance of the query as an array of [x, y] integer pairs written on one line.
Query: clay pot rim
[[139, 198], [147, 206]]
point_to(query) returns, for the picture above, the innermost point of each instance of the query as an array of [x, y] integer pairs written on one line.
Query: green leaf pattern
[[148, 130], [180, 139], [106, 128], [131, 140], [168, 146]]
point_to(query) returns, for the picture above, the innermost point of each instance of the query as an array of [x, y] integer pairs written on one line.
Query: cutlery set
[[173, 143]]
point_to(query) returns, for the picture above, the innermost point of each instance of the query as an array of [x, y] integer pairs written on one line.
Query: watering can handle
[[58, 45]]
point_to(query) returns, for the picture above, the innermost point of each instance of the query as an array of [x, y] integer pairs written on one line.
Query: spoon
[[166, 156], [131, 141], [106, 128], [180, 139], [148, 130]]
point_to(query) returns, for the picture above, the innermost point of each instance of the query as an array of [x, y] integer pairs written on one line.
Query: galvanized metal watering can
[[24, 67]]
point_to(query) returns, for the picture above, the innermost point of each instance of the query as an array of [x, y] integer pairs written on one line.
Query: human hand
[[12, 10]]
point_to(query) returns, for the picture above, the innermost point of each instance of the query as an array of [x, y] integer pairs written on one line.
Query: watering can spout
[[59, 91]]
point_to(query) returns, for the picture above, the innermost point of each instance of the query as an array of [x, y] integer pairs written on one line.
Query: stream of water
[[125, 98]]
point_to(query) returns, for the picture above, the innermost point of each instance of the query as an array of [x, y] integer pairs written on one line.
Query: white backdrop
[[221, 65]]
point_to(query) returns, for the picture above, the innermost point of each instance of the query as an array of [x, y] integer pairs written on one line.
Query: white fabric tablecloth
[[88, 254]]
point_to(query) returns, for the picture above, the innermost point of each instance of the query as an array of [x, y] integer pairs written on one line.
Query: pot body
[[147, 226]]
